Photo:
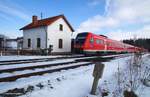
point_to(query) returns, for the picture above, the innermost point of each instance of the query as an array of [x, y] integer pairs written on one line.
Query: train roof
[[103, 36]]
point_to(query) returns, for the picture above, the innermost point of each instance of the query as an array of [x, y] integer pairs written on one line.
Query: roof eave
[[60, 16]]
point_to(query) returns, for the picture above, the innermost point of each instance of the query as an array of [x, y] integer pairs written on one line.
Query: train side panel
[[88, 42], [94, 43]]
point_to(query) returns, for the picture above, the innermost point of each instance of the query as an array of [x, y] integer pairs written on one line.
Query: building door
[[29, 43], [38, 42], [1, 43]]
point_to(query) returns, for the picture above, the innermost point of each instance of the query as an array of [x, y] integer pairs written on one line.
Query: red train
[[87, 42]]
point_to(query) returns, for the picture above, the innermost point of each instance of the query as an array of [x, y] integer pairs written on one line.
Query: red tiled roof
[[46, 22]]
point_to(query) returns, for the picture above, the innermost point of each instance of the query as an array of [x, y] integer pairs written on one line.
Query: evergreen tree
[[144, 43]]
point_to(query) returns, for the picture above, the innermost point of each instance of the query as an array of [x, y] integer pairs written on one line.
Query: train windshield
[[81, 38]]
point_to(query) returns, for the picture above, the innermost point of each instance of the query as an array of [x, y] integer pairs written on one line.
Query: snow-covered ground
[[67, 76], [35, 64], [119, 79], [73, 82], [22, 57], [40, 63], [6, 58]]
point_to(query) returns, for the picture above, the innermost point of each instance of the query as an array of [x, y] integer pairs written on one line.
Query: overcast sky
[[117, 19]]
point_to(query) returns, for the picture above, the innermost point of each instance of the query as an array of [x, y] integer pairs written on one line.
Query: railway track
[[56, 68], [34, 67], [28, 67], [10, 62], [47, 68]]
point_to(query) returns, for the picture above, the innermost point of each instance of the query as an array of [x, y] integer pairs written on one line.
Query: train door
[[105, 45]]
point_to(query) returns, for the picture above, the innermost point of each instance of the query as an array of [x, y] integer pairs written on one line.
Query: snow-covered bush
[[129, 80]]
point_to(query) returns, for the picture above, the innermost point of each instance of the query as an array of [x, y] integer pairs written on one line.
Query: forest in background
[[145, 43]]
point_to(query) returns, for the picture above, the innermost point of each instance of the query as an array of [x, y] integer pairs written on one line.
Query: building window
[[60, 27], [60, 44], [29, 43], [38, 42]]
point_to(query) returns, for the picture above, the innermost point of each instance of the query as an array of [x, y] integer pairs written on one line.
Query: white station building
[[55, 31]]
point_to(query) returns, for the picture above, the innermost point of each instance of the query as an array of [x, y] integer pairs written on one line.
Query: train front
[[80, 42]]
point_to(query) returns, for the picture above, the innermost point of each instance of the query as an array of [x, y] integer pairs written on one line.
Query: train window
[[92, 40], [99, 41], [81, 37], [109, 44]]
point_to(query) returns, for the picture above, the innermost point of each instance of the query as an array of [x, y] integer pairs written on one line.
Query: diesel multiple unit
[[88, 42]]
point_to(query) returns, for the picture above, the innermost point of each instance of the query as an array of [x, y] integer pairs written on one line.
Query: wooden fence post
[[97, 74]]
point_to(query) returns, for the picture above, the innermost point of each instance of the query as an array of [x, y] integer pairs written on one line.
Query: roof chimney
[[34, 19]]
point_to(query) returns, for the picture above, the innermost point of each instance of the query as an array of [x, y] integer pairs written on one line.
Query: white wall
[[54, 34], [33, 34]]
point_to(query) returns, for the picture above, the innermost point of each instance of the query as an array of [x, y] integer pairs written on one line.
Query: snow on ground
[[110, 82], [6, 58], [40, 63], [22, 57], [34, 64], [29, 64], [73, 75], [77, 84], [68, 83]]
